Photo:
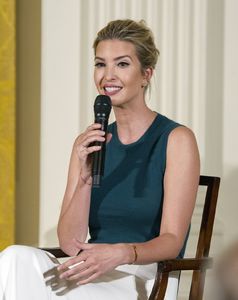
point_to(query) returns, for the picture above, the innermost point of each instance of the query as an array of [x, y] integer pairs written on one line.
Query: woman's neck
[[131, 125]]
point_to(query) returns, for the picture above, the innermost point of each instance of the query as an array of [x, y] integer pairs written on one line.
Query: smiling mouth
[[112, 89]]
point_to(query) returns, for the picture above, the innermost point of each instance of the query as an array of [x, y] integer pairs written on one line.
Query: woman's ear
[[147, 74]]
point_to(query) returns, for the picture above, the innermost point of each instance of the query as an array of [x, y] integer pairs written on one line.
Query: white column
[[59, 106], [198, 72]]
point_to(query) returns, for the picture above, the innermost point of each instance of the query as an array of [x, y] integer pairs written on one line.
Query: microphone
[[102, 109]]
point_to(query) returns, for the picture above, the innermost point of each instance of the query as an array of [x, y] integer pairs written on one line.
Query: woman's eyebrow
[[100, 58], [123, 56], [116, 58]]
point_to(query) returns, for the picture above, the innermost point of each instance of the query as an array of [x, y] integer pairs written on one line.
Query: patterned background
[[7, 121]]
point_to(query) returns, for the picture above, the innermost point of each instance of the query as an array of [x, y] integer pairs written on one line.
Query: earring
[[144, 85]]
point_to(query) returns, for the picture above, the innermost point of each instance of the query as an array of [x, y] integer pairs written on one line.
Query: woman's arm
[[180, 189], [73, 220]]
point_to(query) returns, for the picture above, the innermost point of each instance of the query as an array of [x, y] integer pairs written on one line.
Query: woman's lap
[[22, 271]]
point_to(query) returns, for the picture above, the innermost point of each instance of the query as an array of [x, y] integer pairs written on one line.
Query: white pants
[[21, 278]]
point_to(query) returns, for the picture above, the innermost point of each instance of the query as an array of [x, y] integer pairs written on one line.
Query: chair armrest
[[57, 252], [185, 264], [164, 267]]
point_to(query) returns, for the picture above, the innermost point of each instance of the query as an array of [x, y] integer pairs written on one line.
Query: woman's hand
[[74, 215], [94, 260], [84, 146]]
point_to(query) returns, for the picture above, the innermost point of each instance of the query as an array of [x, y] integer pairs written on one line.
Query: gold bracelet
[[135, 253]]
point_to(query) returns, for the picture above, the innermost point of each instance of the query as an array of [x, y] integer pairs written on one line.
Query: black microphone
[[102, 109]]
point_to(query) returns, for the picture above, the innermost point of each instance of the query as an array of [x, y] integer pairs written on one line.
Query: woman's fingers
[[89, 279], [82, 272], [94, 133], [88, 150], [75, 261], [92, 261], [89, 140], [93, 127], [71, 263], [79, 272], [85, 143], [73, 268], [90, 137]]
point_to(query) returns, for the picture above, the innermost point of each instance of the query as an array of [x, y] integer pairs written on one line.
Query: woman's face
[[118, 72]]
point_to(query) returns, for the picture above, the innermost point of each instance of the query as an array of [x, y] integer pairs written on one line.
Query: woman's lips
[[112, 90]]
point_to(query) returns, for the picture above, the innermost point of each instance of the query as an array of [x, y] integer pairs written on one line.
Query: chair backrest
[[206, 228]]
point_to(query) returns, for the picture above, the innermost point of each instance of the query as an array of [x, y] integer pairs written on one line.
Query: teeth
[[112, 88]]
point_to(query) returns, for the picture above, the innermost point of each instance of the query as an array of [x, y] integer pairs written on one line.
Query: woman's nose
[[109, 73]]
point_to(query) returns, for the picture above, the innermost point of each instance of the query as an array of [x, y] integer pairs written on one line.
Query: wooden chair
[[200, 263]]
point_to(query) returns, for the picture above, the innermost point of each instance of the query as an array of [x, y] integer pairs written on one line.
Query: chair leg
[[197, 287], [160, 285]]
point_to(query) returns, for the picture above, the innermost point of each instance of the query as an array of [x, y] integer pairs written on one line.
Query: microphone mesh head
[[102, 106]]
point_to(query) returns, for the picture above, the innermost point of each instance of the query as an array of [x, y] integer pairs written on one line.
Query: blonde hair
[[134, 32]]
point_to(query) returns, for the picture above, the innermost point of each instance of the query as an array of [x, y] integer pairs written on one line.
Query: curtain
[[7, 121]]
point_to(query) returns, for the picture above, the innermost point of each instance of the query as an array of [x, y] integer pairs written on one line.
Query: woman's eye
[[99, 65], [123, 64]]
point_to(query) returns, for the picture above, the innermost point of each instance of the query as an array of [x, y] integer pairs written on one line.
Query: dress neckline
[[140, 139]]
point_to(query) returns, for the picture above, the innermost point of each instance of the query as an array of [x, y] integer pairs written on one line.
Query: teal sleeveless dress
[[128, 205]]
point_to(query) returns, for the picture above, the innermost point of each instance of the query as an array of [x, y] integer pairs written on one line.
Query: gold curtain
[[7, 122]]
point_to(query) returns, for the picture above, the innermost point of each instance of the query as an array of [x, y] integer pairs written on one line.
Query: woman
[[142, 211]]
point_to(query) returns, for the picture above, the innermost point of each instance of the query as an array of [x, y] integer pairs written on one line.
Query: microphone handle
[[99, 156]]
